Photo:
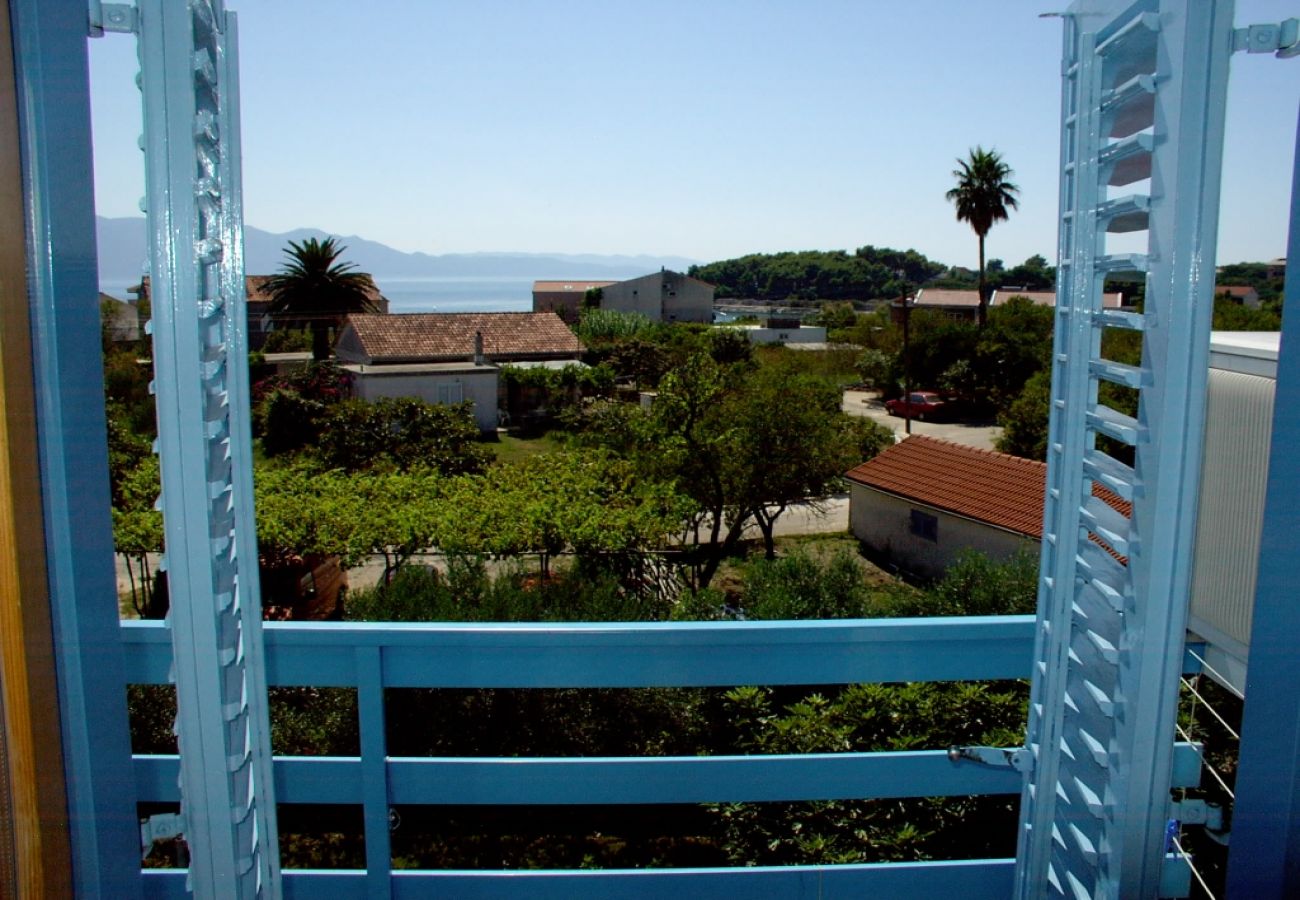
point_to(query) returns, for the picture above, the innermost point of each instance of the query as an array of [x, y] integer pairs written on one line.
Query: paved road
[[867, 403]]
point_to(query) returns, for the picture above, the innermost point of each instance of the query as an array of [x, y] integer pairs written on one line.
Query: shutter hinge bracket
[[1282, 39], [161, 827], [119, 17], [1018, 758]]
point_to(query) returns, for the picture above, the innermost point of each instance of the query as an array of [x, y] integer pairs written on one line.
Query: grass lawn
[[511, 449]]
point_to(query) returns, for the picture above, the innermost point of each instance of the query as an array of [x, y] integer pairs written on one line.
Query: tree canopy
[[808, 276], [983, 195], [314, 290]]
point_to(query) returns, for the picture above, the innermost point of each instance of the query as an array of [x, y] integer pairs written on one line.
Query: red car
[[918, 405]]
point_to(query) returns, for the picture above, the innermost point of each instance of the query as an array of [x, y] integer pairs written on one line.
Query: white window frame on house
[[450, 394]]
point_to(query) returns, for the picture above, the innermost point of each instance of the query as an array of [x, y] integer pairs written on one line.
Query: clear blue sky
[[703, 129]]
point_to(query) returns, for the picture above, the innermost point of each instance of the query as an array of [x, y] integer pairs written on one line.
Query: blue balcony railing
[[372, 658]]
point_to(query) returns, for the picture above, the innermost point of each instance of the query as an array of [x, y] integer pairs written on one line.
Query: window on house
[[450, 393], [925, 526]]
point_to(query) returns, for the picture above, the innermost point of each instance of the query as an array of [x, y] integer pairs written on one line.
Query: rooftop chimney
[[479, 360]]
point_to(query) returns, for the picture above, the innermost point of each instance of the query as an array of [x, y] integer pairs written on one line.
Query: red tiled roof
[[996, 488], [435, 337], [1234, 290], [945, 297], [255, 288], [566, 287], [970, 299], [1112, 300], [1002, 490]]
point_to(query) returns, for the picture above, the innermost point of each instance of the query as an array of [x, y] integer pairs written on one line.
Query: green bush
[[974, 585], [288, 421], [466, 592], [799, 586], [598, 325], [403, 433]]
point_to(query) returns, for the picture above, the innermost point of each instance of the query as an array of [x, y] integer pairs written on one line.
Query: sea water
[[480, 294]]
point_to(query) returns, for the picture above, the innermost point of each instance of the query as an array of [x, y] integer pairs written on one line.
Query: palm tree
[[314, 290], [983, 196]]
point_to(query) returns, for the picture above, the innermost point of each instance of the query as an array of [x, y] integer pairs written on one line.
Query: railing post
[[374, 771]]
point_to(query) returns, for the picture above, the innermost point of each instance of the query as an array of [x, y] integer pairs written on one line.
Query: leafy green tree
[[314, 290], [399, 514], [790, 444], [799, 586], [303, 511], [742, 444], [643, 361], [589, 503], [1034, 274], [1230, 316], [875, 367], [983, 196], [730, 346], [138, 529], [1024, 424], [805, 278], [836, 315], [1016, 344], [597, 325], [288, 340], [402, 433]]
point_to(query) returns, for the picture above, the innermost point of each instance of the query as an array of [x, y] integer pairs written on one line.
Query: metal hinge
[[162, 827], [1018, 758], [117, 17], [1282, 39], [1201, 812]]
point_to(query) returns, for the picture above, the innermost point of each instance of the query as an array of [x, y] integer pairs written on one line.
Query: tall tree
[[314, 290], [983, 196]]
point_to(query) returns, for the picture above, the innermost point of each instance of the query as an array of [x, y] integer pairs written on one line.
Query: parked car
[[313, 587], [304, 588], [918, 405]]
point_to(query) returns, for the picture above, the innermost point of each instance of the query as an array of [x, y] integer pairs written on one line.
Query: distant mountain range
[[122, 253]]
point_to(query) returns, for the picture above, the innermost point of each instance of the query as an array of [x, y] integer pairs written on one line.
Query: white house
[[924, 500], [448, 357]]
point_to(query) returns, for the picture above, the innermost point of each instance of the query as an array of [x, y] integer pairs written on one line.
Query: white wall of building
[[883, 523], [479, 386], [804, 334], [662, 297]]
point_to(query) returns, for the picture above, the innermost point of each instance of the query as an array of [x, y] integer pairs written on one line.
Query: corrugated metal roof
[[447, 337]]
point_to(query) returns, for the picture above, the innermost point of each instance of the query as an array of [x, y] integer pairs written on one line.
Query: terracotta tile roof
[[1235, 290], [255, 289], [996, 488], [1112, 300], [447, 337], [970, 299], [1002, 490], [944, 297], [566, 287]]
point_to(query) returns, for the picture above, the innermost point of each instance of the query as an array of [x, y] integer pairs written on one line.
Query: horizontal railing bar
[[969, 879], [608, 655], [581, 781]]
